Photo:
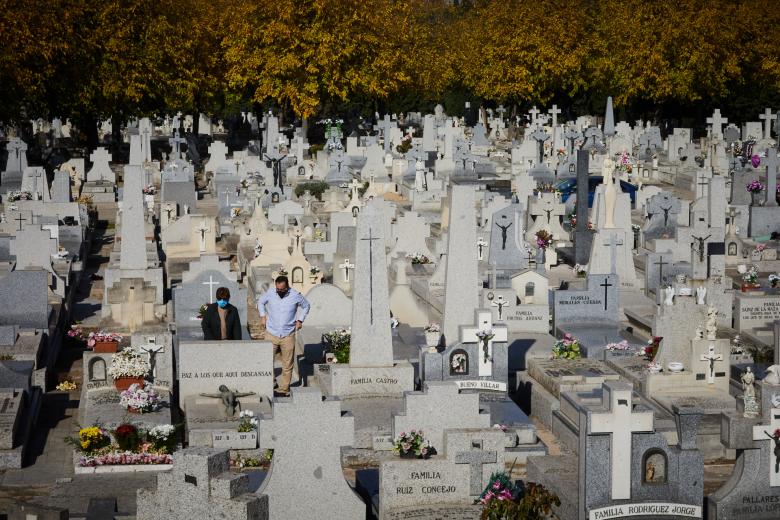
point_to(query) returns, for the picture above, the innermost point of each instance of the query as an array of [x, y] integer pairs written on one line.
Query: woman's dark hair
[[223, 293]]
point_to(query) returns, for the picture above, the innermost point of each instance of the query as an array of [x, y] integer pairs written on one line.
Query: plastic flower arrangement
[[247, 421], [579, 271], [774, 279], [93, 438], [102, 336], [19, 195], [621, 346], [649, 350], [567, 348], [163, 438], [141, 399], [202, 311], [755, 187], [543, 239], [314, 271], [125, 459], [500, 487], [413, 444], [127, 436], [76, 332], [503, 499], [751, 275], [419, 259], [433, 327], [128, 363], [624, 163], [149, 190], [66, 386], [337, 341]]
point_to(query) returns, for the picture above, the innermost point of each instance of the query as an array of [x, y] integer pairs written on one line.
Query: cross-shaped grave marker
[[346, 266], [481, 247], [593, 139], [612, 242], [717, 122], [660, 263], [606, 285], [711, 357], [533, 112], [476, 457], [211, 283], [540, 136], [620, 422], [571, 135], [203, 229], [768, 432], [767, 117], [485, 334], [176, 143], [370, 238]]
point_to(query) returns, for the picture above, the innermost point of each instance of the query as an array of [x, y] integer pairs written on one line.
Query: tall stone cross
[[211, 283], [370, 239], [711, 357], [716, 122], [620, 422], [772, 161], [540, 136], [300, 146], [346, 266], [176, 143], [767, 117], [554, 111], [612, 242], [481, 244], [386, 125], [533, 112], [767, 432], [571, 135], [476, 458], [485, 334]]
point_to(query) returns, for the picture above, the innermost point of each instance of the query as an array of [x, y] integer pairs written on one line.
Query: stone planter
[[106, 347], [123, 383], [432, 339], [746, 287]]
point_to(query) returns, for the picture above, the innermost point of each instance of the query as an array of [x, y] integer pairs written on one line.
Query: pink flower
[[496, 485]]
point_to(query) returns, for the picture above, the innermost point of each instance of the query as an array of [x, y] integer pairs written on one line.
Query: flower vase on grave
[[106, 347], [747, 287], [124, 382], [432, 339]]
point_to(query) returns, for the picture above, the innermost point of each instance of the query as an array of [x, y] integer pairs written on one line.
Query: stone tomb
[[625, 467], [244, 367], [753, 491], [306, 434]]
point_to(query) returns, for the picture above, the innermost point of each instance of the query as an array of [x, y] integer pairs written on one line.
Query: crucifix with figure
[[711, 357], [769, 432], [500, 303], [203, 229], [151, 349], [481, 247], [176, 143], [211, 283], [370, 238], [346, 266], [485, 333]]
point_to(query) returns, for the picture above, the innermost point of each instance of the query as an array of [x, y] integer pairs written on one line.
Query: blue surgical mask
[[222, 303]]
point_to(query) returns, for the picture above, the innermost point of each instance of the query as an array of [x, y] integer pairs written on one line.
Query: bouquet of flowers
[[141, 399], [128, 363], [751, 275], [413, 444], [755, 187], [499, 487], [247, 421], [774, 279], [202, 311], [127, 437], [621, 346], [543, 239], [579, 271], [649, 350], [337, 341], [163, 438], [419, 259], [406, 144], [102, 336], [91, 439], [567, 348], [624, 163], [149, 190], [502, 499], [560, 152], [314, 271], [760, 248], [66, 386], [76, 332], [19, 195], [433, 327]]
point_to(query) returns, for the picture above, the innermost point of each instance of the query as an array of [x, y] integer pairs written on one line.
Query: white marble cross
[[211, 283], [203, 229], [717, 122], [495, 334], [711, 357], [767, 117], [346, 266], [299, 147], [481, 244], [766, 432], [620, 422], [534, 112]]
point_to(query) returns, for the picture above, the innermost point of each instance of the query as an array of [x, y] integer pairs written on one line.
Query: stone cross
[[717, 122], [766, 432], [481, 247], [593, 137], [475, 458], [203, 229], [711, 357], [211, 283], [299, 147], [554, 111], [702, 184], [346, 266], [20, 219], [151, 349], [620, 422], [660, 263], [176, 143], [534, 112], [571, 135], [484, 325], [612, 242], [540, 136], [767, 117], [386, 125], [500, 302], [772, 162], [370, 238]]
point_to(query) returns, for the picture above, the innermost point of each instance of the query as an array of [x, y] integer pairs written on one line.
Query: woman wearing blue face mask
[[221, 320]]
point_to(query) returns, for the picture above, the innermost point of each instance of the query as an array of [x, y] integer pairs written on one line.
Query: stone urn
[[432, 339]]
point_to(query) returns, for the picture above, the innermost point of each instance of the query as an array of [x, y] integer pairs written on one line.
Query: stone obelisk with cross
[[371, 343]]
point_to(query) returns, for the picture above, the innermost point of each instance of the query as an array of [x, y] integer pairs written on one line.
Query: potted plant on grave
[[104, 342], [774, 279], [750, 279], [314, 272], [247, 422], [140, 398], [163, 438], [337, 345], [432, 335], [566, 348], [128, 368], [579, 271], [413, 445], [127, 437], [754, 188], [90, 440], [503, 499], [419, 259]]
